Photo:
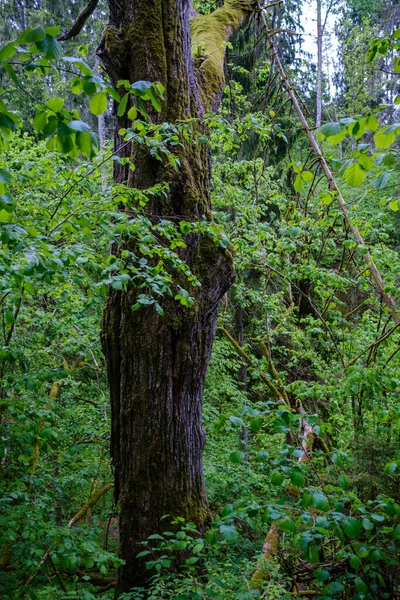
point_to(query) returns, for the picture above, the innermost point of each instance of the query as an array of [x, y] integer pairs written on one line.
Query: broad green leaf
[[298, 183], [381, 182], [276, 478], [237, 456], [354, 561], [5, 176], [229, 532], [394, 205], [297, 478], [255, 424], [367, 524], [55, 104], [320, 501], [262, 455], [140, 88], [122, 105], [389, 468], [352, 527], [384, 140], [132, 113], [35, 35], [7, 51], [333, 132], [287, 524], [78, 126], [354, 175], [98, 103]]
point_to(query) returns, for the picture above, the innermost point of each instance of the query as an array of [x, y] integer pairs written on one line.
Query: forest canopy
[[199, 299]]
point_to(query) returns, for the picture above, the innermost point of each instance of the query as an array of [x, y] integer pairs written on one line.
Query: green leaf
[[355, 562], [7, 202], [7, 51], [352, 527], [53, 30], [297, 478], [367, 524], [389, 468], [276, 478], [394, 205], [229, 532], [381, 182], [122, 105], [333, 132], [262, 455], [354, 175], [78, 126], [255, 424], [320, 501], [132, 113], [140, 88], [35, 35], [307, 176], [98, 103], [5, 176], [298, 183], [39, 121], [383, 139], [55, 104], [287, 524], [49, 47], [237, 457]]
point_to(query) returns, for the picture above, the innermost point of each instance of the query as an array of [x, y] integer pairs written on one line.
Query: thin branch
[[80, 21]]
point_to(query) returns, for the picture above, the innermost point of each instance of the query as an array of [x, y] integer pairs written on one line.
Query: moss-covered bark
[[157, 364]]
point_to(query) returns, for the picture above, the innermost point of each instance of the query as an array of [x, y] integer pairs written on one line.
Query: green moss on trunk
[[209, 34]]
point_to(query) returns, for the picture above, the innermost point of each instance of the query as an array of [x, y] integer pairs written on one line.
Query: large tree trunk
[[157, 364]]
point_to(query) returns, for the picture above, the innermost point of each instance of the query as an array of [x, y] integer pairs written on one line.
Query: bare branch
[[80, 21]]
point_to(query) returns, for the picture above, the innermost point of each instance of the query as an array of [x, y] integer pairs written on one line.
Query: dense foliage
[[301, 404]]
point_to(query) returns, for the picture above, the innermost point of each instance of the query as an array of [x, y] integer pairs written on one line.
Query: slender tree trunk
[[157, 364], [318, 118]]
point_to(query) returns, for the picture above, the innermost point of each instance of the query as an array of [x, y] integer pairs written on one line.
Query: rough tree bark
[[157, 364]]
